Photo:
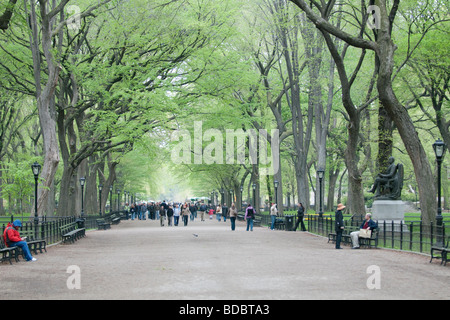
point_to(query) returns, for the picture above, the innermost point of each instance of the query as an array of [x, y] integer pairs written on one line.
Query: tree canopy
[[174, 99]]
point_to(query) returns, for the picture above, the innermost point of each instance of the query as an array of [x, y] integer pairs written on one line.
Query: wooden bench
[[257, 221], [371, 242], [102, 224], [8, 253], [114, 219], [34, 244], [346, 239], [71, 232], [443, 250]]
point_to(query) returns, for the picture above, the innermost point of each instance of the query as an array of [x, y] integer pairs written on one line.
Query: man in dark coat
[[300, 215], [339, 224]]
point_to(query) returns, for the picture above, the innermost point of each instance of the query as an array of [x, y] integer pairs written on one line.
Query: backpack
[[5, 237], [251, 213]]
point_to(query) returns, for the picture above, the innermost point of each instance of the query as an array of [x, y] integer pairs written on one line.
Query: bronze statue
[[388, 185]]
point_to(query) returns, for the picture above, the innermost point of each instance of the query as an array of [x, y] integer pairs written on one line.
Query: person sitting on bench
[[369, 224], [12, 238]]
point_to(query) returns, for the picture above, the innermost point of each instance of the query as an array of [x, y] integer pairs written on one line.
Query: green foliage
[[137, 70], [18, 182]]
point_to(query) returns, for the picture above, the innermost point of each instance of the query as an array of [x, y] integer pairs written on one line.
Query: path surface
[[141, 260]]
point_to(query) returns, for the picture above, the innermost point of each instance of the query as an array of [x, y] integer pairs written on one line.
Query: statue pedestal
[[389, 213]]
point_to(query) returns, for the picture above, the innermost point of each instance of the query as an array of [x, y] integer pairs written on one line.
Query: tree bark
[[385, 49], [385, 54], [45, 99]]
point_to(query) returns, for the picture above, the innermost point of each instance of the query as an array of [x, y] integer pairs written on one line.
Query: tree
[[384, 48]]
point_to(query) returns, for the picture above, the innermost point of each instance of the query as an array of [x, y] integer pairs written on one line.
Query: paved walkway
[[141, 260]]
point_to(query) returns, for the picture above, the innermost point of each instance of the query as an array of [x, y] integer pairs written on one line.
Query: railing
[[412, 236], [48, 228]]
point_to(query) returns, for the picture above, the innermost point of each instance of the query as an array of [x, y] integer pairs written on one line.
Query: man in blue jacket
[[12, 238], [368, 224]]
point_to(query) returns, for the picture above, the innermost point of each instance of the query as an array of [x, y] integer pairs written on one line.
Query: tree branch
[[324, 25]]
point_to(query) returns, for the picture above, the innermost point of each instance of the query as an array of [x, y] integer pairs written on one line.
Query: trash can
[[80, 222], [289, 222]]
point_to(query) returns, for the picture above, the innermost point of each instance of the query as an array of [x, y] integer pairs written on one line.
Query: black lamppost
[[222, 194], [82, 182], [254, 195], [110, 198], [100, 188], [36, 168], [439, 150], [320, 174], [242, 190], [275, 184]]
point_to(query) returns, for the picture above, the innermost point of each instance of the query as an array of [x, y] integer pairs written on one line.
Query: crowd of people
[[172, 212]]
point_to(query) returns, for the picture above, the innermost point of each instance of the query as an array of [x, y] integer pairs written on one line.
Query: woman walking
[[233, 216], [273, 215], [249, 216], [219, 212], [176, 215]]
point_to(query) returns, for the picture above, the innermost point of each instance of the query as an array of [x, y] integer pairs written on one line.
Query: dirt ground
[[207, 261]]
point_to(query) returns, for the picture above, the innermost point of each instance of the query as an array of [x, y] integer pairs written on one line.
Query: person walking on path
[[233, 216], [300, 215], [339, 224], [202, 210], [249, 216], [138, 211], [176, 215], [193, 210], [224, 212], [169, 215], [133, 211], [218, 212], [273, 215], [162, 215], [12, 238], [185, 212]]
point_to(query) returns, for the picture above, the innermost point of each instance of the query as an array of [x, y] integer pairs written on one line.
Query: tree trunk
[[424, 176], [333, 174], [45, 100], [384, 49], [385, 139]]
